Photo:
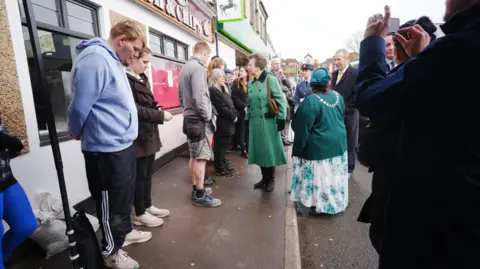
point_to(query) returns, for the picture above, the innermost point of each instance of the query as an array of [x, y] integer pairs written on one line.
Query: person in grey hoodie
[[103, 116]]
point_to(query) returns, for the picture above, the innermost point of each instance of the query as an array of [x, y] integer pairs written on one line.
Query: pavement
[[247, 231], [339, 242]]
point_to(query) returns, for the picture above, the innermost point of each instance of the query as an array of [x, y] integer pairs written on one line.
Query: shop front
[[172, 28], [246, 33]]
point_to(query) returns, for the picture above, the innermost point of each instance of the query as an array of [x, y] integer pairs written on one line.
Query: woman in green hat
[[320, 158]]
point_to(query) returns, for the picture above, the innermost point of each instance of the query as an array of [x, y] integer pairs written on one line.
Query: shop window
[[155, 44], [167, 46], [57, 45], [169, 56], [170, 48]]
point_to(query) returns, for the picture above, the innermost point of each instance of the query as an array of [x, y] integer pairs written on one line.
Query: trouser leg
[[111, 179]]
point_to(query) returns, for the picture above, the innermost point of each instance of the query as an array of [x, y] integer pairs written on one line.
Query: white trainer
[[158, 212], [137, 237], [120, 260], [147, 220]]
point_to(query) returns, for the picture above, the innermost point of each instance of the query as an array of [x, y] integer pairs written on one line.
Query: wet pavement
[[247, 231], [339, 242]]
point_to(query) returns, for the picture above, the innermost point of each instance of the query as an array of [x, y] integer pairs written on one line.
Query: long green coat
[[265, 147]]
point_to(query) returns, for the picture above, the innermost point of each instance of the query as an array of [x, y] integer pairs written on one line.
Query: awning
[[242, 34]]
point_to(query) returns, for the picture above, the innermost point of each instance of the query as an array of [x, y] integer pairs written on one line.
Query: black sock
[[194, 187], [200, 193]]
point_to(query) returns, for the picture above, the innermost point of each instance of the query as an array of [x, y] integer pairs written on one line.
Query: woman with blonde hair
[[216, 62], [227, 116]]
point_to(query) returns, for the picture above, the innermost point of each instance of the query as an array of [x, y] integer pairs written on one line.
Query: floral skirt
[[321, 184]]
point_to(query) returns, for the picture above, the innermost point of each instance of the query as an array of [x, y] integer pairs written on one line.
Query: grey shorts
[[202, 150]]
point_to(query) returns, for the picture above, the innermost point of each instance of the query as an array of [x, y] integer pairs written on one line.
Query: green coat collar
[[262, 77]]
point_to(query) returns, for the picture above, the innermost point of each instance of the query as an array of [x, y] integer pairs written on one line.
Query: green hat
[[320, 77]]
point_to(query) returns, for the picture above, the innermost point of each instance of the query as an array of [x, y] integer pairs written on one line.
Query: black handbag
[[87, 243], [194, 129]]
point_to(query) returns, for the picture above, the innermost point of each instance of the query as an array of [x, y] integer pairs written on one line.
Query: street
[[339, 242]]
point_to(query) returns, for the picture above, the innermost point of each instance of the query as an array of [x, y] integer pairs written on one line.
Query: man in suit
[[390, 51], [343, 82]]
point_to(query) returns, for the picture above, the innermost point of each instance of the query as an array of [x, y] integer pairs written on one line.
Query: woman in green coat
[[265, 147], [320, 163]]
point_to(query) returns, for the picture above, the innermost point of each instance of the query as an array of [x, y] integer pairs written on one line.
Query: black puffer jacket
[[223, 104]]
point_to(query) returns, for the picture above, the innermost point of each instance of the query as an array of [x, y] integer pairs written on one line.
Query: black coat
[[148, 140], [431, 218], [222, 101], [346, 87], [239, 98]]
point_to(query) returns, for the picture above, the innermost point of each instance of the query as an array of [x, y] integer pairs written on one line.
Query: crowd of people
[[421, 144]]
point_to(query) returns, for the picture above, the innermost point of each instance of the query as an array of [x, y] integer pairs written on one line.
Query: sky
[[321, 27]]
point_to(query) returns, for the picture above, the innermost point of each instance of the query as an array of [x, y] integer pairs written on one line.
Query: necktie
[[392, 65], [340, 75]]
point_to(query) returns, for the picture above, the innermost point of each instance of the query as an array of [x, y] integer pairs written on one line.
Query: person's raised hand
[[418, 39], [378, 25]]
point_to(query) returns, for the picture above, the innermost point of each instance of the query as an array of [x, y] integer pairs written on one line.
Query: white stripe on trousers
[[106, 224]]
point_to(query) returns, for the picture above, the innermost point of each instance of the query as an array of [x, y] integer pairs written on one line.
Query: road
[[339, 242]]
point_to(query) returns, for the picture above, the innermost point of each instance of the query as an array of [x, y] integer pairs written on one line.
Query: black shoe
[[244, 154], [259, 185], [270, 185], [225, 173], [209, 181]]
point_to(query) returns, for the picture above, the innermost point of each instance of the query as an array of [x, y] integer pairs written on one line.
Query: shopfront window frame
[[178, 44], [64, 29]]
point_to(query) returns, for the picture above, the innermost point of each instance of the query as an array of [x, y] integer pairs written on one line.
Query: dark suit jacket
[[346, 86], [431, 217], [240, 99]]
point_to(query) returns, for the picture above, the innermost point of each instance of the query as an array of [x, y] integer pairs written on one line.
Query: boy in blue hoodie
[[103, 116]]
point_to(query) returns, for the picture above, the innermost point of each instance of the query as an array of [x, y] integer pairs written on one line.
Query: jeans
[[143, 185], [111, 180], [15, 209]]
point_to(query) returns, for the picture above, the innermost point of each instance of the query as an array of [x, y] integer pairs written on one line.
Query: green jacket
[[265, 147], [320, 129]]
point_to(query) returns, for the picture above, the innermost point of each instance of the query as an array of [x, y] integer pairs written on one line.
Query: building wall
[[36, 170]]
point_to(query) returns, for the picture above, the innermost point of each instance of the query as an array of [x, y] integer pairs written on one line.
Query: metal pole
[[52, 131], [216, 26]]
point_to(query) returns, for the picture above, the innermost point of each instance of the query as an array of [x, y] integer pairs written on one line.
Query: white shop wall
[[36, 170]]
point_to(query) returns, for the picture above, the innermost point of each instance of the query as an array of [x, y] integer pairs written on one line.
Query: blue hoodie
[[102, 113]]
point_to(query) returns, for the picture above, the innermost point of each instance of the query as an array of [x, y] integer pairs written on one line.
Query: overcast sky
[[323, 26]]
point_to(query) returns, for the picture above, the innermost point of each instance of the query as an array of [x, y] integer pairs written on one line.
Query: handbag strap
[[268, 87]]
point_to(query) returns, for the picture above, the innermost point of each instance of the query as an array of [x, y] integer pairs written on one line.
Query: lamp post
[[216, 27]]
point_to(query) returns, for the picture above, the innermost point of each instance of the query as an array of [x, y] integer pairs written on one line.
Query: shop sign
[[229, 10], [183, 13]]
